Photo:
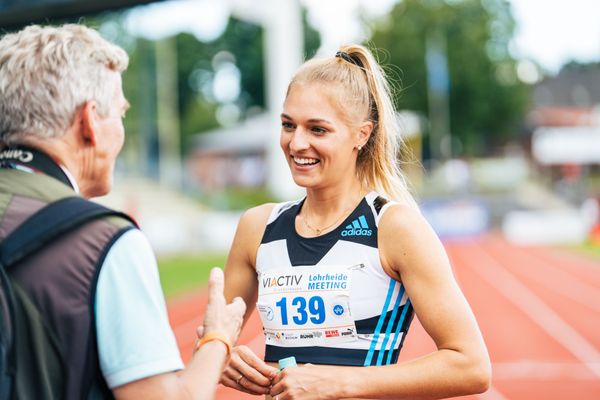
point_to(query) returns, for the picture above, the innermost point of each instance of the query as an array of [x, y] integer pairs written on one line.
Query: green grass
[[589, 248], [182, 273], [586, 249], [237, 198]]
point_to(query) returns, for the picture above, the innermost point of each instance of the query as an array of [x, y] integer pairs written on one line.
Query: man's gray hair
[[47, 73]]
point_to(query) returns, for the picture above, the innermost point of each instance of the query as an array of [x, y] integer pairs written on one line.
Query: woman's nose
[[299, 140]]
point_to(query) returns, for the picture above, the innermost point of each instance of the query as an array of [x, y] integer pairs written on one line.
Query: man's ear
[[88, 120], [366, 129]]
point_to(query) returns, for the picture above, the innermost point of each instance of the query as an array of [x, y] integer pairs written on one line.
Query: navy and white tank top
[[361, 324]]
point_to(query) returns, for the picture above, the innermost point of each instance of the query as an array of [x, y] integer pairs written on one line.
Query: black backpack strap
[[50, 222], [7, 362], [47, 224]]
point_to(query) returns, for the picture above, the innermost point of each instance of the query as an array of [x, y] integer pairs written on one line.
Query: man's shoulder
[[40, 186]]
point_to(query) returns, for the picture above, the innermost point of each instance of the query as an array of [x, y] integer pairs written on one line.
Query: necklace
[[318, 231]]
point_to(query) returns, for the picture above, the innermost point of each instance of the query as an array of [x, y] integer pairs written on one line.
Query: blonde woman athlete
[[337, 276]]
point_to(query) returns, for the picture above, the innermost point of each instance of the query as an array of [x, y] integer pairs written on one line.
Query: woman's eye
[[319, 130], [287, 126]]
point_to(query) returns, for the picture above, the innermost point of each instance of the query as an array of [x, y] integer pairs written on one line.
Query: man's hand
[[221, 317]]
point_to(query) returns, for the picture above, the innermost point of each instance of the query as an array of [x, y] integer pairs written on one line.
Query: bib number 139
[[313, 309]]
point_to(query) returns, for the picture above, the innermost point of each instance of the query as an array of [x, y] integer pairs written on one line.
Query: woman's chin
[[303, 181]]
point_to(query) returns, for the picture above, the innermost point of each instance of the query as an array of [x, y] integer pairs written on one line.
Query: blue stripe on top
[[388, 331], [405, 308], [388, 298]]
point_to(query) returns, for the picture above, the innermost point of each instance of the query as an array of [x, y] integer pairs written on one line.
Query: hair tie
[[351, 59]]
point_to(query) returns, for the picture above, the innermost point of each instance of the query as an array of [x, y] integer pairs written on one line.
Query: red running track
[[538, 309]]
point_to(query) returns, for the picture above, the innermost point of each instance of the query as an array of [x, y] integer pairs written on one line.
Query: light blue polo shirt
[[135, 339]]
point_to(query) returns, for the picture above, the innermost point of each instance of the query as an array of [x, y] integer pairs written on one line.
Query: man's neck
[[34, 160], [63, 154]]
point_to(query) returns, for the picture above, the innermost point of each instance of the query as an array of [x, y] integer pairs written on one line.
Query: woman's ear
[[366, 129], [88, 123]]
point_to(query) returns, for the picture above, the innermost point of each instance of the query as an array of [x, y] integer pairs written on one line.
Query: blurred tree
[[139, 86], [312, 37], [198, 63], [241, 44], [486, 100]]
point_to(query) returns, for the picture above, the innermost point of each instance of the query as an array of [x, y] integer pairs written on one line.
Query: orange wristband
[[210, 336]]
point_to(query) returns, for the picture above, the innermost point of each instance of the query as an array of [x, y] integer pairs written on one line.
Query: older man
[[96, 288]]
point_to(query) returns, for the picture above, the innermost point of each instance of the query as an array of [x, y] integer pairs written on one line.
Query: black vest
[[59, 281]]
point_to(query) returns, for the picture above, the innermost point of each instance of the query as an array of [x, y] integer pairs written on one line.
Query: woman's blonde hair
[[365, 94], [47, 73]]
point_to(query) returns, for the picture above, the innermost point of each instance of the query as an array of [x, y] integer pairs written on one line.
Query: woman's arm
[[411, 252], [246, 372]]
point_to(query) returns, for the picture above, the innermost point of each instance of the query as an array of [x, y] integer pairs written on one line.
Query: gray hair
[[47, 73]]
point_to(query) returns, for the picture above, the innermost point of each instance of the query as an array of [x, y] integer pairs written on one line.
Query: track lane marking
[[570, 286], [540, 313], [540, 370]]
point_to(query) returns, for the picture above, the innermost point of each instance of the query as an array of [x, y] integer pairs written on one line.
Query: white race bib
[[306, 306]]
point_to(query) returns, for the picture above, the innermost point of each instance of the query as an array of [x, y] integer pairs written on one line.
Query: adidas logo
[[358, 227]]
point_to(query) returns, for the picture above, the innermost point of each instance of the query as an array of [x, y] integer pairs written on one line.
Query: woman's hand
[[306, 382], [246, 372]]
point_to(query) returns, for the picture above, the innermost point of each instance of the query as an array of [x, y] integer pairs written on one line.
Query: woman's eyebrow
[[312, 120], [319, 120]]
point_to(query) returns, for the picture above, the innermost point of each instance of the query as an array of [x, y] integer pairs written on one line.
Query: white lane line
[[564, 283], [583, 262], [517, 293], [529, 370]]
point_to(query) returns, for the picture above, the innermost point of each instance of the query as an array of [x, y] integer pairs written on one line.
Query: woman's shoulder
[[258, 213], [253, 222], [406, 239], [268, 212], [251, 226], [400, 216], [265, 213]]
